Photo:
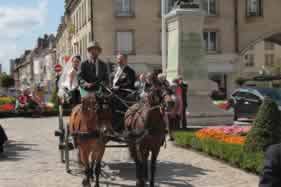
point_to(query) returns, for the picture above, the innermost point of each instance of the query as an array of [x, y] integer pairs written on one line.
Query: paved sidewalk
[[33, 161]]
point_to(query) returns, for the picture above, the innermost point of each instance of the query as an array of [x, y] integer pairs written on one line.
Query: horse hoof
[[86, 183], [140, 184]]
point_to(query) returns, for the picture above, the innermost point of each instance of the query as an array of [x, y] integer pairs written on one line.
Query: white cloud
[[15, 22]]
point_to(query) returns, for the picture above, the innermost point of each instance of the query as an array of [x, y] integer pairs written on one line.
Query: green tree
[[6, 81], [266, 129]]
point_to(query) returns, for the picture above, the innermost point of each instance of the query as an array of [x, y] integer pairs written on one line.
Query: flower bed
[[224, 105], [7, 104], [232, 135], [224, 143], [7, 108], [7, 100]]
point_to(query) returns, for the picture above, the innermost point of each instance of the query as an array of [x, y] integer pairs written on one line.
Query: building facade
[[262, 56], [123, 27], [134, 27], [35, 68]]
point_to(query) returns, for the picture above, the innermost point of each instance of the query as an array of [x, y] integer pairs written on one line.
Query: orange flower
[[220, 136]]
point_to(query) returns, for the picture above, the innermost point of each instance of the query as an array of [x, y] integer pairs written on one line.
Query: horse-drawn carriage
[[90, 129]]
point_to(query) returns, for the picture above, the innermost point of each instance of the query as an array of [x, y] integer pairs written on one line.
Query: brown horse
[[147, 118], [89, 122]]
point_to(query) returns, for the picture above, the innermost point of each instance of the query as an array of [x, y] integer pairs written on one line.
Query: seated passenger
[[123, 83]]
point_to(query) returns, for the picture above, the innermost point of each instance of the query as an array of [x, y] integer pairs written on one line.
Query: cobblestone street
[[32, 160]]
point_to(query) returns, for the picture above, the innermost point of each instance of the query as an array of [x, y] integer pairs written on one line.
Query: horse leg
[[153, 166], [140, 167], [92, 169], [139, 173], [145, 163], [97, 172], [84, 155]]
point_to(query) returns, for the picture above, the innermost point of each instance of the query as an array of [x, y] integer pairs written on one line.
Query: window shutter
[[118, 6], [205, 6], [261, 7]]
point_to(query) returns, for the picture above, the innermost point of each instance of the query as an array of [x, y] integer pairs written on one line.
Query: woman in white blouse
[[68, 83]]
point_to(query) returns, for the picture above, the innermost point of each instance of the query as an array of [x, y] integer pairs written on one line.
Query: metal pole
[[92, 20], [164, 8]]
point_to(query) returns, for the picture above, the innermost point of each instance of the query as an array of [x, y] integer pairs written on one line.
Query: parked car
[[246, 101]]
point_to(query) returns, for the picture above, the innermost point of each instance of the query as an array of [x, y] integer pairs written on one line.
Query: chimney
[[40, 43]]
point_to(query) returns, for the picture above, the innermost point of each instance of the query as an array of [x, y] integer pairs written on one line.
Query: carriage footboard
[[86, 135]]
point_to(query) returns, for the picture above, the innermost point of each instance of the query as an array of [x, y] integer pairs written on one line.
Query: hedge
[[233, 154]]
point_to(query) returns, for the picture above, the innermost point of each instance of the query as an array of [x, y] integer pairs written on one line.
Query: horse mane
[[84, 116]]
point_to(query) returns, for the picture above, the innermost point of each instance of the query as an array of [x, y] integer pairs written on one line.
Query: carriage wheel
[[67, 149], [61, 137]]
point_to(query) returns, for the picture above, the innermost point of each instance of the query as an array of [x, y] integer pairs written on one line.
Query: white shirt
[[67, 82], [118, 74]]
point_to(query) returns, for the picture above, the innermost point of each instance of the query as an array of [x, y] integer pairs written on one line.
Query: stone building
[[63, 45], [262, 56], [134, 27], [35, 67], [123, 27]]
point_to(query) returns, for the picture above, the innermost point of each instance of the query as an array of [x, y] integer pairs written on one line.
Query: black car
[[246, 101]]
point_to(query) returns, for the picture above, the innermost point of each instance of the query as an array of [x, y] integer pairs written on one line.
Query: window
[[89, 9], [250, 60], [210, 6], [251, 97], [268, 46], [77, 22], [124, 42], [254, 7], [239, 94], [269, 60], [90, 37], [124, 7], [210, 39]]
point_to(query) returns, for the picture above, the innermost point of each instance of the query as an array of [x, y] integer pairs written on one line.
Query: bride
[[68, 82]]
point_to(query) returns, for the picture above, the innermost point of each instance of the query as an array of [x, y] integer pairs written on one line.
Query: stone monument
[[186, 55]]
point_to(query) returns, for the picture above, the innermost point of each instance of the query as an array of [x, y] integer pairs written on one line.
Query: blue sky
[[22, 22]]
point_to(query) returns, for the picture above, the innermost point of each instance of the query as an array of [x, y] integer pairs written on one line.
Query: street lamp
[[164, 10]]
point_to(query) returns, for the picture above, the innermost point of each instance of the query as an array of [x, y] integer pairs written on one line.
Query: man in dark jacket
[[184, 88], [271, 175], [93, 71], [3, 139]]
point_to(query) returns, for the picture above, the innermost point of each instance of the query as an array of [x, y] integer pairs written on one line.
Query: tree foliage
[[6, 81], [266, 129]]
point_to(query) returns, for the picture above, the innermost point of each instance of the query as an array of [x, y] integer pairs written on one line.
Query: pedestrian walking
[[184, 90], [3, 139], [271, 174]]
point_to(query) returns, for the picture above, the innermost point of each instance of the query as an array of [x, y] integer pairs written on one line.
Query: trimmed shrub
[[266, 129]]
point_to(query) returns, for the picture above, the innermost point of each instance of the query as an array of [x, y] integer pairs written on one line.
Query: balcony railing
[[124, 13]]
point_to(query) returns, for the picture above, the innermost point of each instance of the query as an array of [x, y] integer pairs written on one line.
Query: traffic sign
[[58, 68]]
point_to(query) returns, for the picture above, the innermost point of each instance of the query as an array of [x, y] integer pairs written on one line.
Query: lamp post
[[164, 10]]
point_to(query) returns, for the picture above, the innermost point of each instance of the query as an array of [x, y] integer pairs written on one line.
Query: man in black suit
[[93, 71], [125, 76], [123, 81], [271, 175]]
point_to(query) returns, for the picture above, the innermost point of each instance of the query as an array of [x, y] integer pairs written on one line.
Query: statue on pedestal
[[185, 4]]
